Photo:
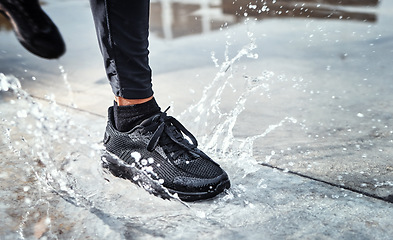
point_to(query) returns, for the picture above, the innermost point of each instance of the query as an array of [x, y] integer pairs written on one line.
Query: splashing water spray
[[219, 138], [48, 129]]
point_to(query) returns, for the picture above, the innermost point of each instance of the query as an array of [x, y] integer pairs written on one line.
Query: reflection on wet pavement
[[173, 19], [330, 9]]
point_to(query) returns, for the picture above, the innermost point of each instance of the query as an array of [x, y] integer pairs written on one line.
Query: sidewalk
[[304, 131], [83, 201]]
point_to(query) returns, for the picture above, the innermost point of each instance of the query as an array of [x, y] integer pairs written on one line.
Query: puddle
[[41, 133]]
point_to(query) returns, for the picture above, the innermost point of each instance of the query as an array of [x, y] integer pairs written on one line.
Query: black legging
[[122, 28]]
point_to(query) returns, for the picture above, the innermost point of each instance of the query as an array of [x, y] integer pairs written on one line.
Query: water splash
[[64, 161], [217, 125], [64, 76], [62, 157], [43, 131]]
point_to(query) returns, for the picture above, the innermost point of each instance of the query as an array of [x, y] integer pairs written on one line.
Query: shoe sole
[[123, 170], [196, 196]]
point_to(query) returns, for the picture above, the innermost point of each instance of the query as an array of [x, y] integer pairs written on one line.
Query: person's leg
[[33, 28], [138, 133], [123, 29]]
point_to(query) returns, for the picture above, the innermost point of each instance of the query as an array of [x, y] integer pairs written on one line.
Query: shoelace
[[173, 138]]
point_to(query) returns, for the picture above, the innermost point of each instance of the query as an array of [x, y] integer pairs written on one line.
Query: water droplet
[[251, 6], [136, 155], [21, 113]]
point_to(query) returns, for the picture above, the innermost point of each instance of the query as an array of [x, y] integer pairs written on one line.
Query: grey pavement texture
[[296, 110]]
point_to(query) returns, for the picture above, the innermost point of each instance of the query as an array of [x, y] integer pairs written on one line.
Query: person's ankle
[[127, 117], [126, 102]]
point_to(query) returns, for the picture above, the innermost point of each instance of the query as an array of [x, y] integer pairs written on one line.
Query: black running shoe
[[33, 28], [158, 148]]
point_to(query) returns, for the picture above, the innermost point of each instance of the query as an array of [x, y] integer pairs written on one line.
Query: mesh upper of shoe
[[181, 166]]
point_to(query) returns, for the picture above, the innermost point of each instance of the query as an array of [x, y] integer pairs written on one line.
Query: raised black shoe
[[157, 148], [33, 28]]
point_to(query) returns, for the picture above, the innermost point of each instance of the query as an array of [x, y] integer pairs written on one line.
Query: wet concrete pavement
[[310, 97]]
